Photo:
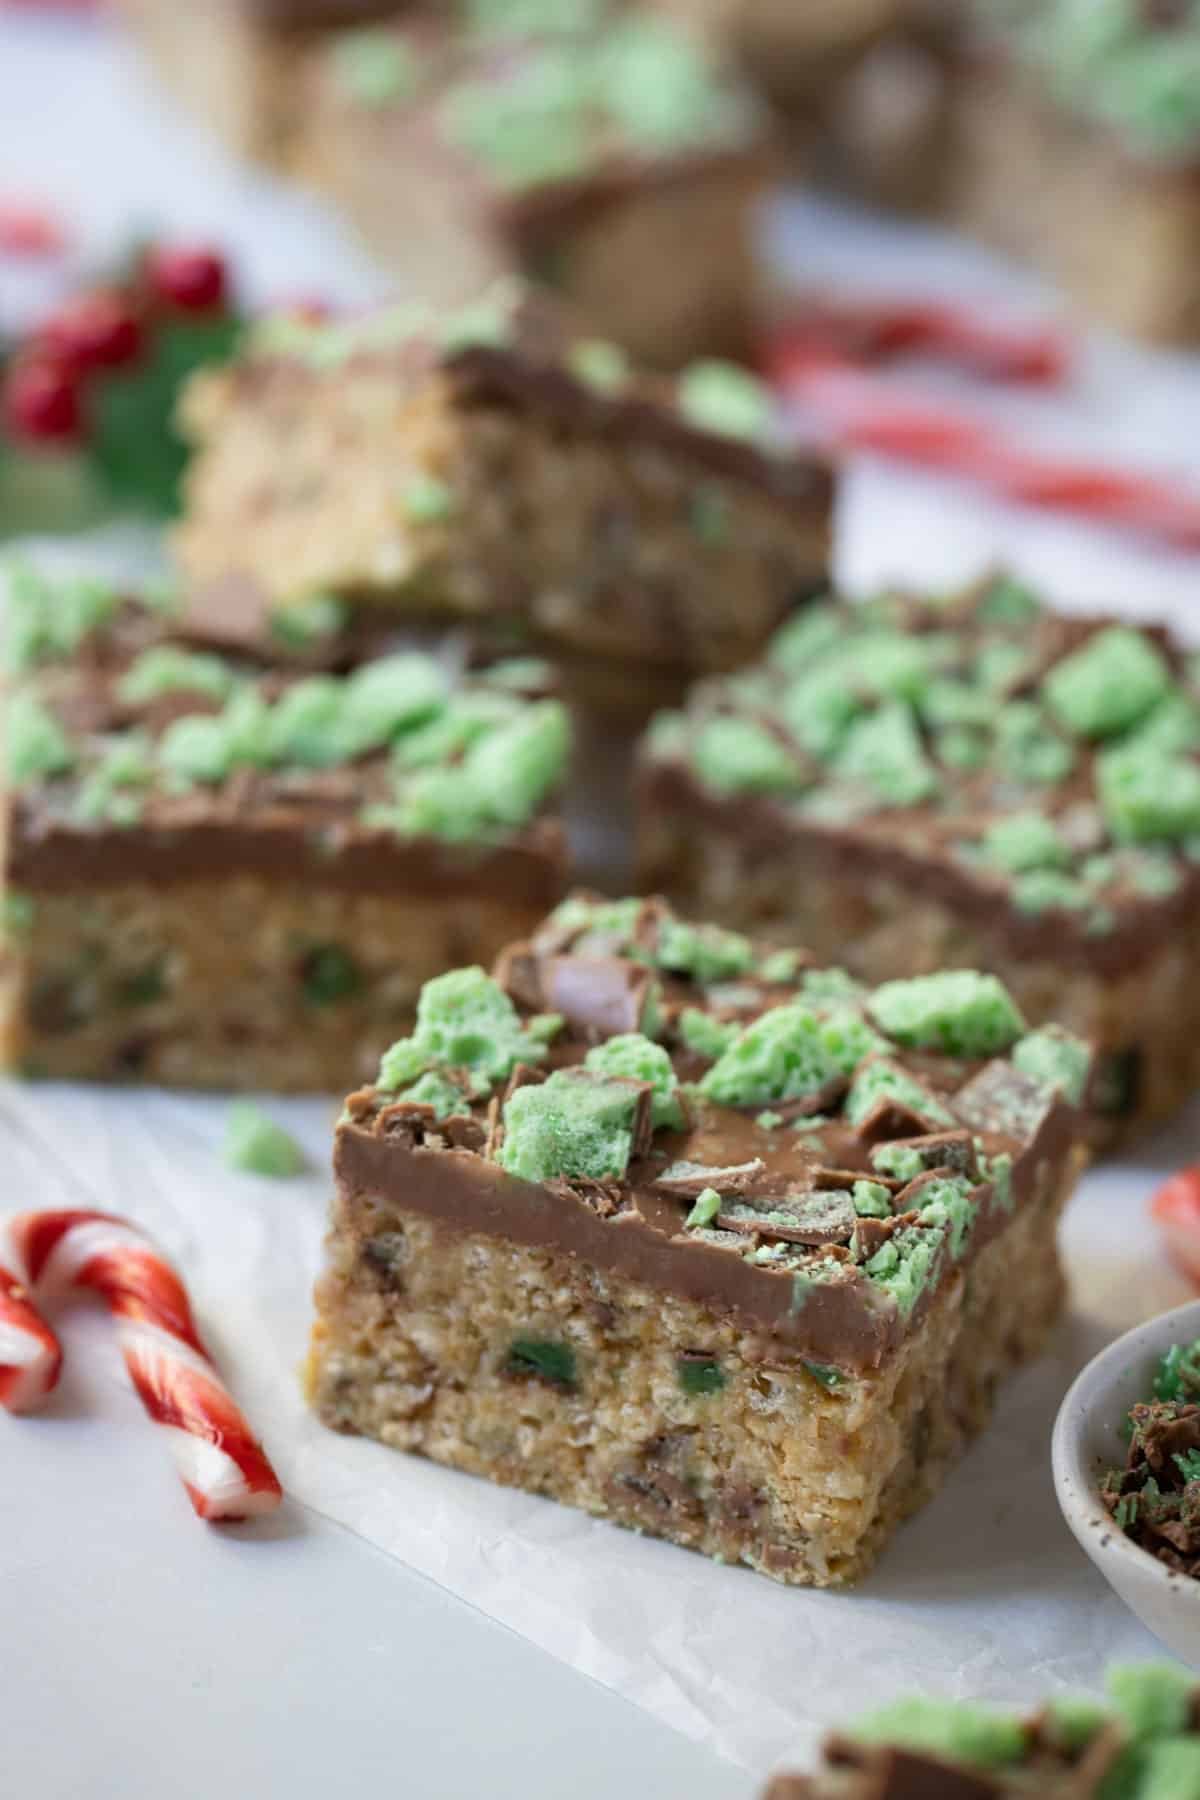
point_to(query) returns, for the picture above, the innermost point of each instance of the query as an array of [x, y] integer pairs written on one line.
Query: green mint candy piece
[[1024, 841], [1147, 794], [1055, 1060], [374, 68], [330, 974], [388, 696], [829, 984], [819, 707], [1168, 1768], [814, 629], [655, 82], [738, 756], [48, 618], [872, 1200], [515, 767], [704, 1209], [704, 1035], [255, 1143], [37, 747], [946, 702], [882, 1080], [948, 1202], [961, 747], [434, 1090], [848, 1038], [768, 1121], [530, 128], [883, 752], [465, 1020], [305, 723], [1114, 680], [699, 1375], [707, 953], [443, 738], [426, 500], [1046, 890], [898, 1160], [828, 1376], [1007, 601], [486, 323], [779, 966], [307, 622], [957, 1011], [1174, 725], [201, 749], [533, 18], [575, 1124], [906, 1265], [1027, 750], [599, 364], [166, 669], [722, 398], [1154, 872], [635, 1057], [104, 795], [954, 1729], [1153, 1699], [781, 1056], [544, 1358]]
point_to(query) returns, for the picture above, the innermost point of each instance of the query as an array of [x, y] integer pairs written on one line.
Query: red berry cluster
[[43, 396]]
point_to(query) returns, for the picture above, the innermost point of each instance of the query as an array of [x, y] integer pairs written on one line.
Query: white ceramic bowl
[[1087, 1440]]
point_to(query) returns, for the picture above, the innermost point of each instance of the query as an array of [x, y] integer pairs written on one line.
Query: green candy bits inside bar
[[635, 1057], [883, 1080], [956, 1730], [1054, 1059], [165, 669], [1113, 681], [898, 1160], [543, 1357], [722, 398], [255, 1144], [576, 1124], [598, 364], [1024, 841], [907, 1263], [704, 1210], [957, 1011], [781, 1056], [465, 1020], [700, 1375], [737, 756]]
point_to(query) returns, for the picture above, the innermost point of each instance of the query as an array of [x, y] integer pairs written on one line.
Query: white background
[[145, 1657]]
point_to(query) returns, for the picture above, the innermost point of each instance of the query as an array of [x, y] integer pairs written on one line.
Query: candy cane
[[224, 1470]]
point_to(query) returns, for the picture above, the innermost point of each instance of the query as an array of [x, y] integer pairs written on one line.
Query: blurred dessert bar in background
[[919, 783]]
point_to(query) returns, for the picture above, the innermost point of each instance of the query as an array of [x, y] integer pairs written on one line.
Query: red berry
[[191, 279], [41, 401], [94, 331]]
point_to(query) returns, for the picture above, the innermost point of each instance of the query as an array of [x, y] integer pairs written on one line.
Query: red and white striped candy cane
[[224, 1470]]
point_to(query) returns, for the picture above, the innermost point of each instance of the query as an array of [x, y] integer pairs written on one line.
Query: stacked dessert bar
[[913, 784], [698, 1235]]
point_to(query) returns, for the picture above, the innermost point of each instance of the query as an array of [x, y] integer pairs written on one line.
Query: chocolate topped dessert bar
[[1071, 116], [1145, 1745], [698, 1235], [613, 158], [496, 466], [222, 873], [918, 783]]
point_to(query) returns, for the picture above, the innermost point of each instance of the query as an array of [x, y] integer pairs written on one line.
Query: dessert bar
[[920, 783], [698, 1235], [220, 873]]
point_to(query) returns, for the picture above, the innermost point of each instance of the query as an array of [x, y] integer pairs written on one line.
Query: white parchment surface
[[985, 1593]]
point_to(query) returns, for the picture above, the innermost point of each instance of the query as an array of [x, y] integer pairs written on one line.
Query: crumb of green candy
[[255, 1143], [48, 617], [433, 1089], [955, 1729], [738, 756], [768, 1121], [1054, 1059], [704, 1210], [814, 629], [704, 1035], [465, 1020], [636, 1058], [872, 1200], [425, 499], [906, 1264], [37, 745], [374, 67], [883, 1080], [1007, 601], [599, 364], [107, 793], [828, 984], [1148, 794], [947, 1201], [781, 1056], [813, 1122], [207, 750], [699, 1375], [958, 1011], [848, 1038], [828, 1376], [883, 752], [898, 1160], [305, 622], [1027, 750], [705, 952], [1046, 890], [328, 974], [721, 397], [576, 1124], [501, 781], [487, 322], [544, 1358], [1023, 841], [779, 966], [166, 669], [1108, 684]]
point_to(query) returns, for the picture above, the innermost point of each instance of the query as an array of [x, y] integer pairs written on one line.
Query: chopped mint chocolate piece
[[635, 1057], [998, 1170], [704, 1210], [487, 322], [1027, 750], [254, 1143], [951, 1728], [599, 364], [36, 744], [1024, 841], [883, 752], [528, 129], [544, 1358], [501, 781], [883, 1080], [781, 1056], [166, 669], [108, 792], [872, 1200], [703, 1034], [700, 1375], [829, 984], [48, 618], [305, 622], [1007, 602], [900, 1161], [819, 707], [798, 644], [957, 1011], [426, 500], [433, 1089], [779, 966], [707, 953], [1148, 794], [738, 756], [947, 1201], [848, 1038], [907, 1263], [575, 1124], [1056, 1060], [725, 399], [1114, 680], [374, 68], [465, 1020], [768, 1121], [207, 750]]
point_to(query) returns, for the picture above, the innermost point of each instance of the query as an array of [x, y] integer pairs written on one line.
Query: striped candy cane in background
[[223, 1466]]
